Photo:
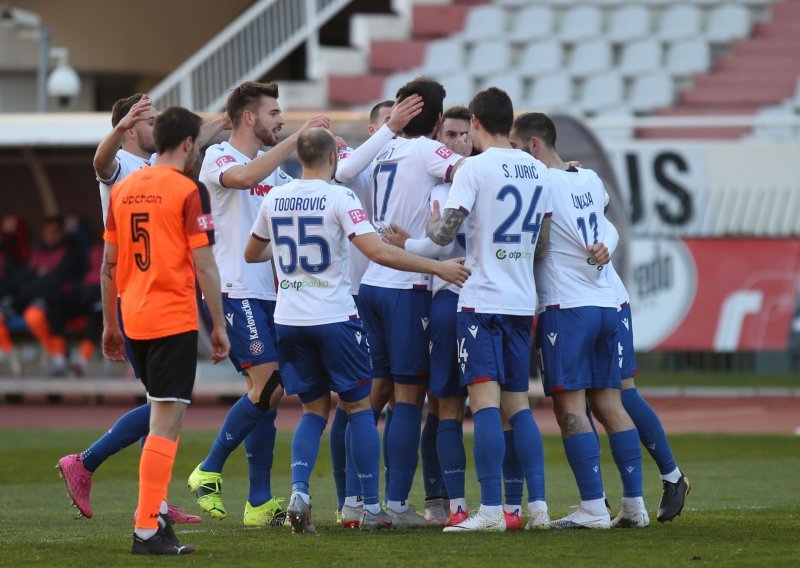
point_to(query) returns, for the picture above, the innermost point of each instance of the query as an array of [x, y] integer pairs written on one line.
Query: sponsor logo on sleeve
[[357, 215], [222, 160], [205, 222], [443, 152]]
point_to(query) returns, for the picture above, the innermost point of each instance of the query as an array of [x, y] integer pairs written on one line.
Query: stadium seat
[[460, 88], [395, 81], [680, 22], [541, 58], [602, 92], [483, 23], [513, 3], [688, 58], [640, 57], [581, 23], [551, 92], [727, 23], [778, 132], [489, 58], [443, 57], [533, 23], [511, 83], [629, 23], [796, 98], [590, 58], [614, 132], [652, 91]]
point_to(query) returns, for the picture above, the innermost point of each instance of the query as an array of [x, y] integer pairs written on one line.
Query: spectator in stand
[[89, 305], [14, 252], [55, 267]]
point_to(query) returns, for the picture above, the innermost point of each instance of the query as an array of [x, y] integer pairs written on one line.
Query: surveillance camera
[[64, 84], [21, 18]]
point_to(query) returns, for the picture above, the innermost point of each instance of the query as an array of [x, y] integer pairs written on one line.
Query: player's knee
[[572, 424], [271, 393]]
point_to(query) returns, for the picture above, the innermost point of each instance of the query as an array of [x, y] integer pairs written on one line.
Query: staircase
[[760, 71]]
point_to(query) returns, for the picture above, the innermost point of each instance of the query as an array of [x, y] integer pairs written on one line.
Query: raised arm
[[104, 157]]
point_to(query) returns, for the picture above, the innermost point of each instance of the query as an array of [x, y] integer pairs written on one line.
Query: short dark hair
[[123, 106], [245, 95], [373, 114], [458, 113], [314, 146], [536, 124], [493, 109], [173, 126], [433, 95]]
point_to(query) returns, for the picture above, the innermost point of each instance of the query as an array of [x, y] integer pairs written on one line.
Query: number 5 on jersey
[[303, 239]]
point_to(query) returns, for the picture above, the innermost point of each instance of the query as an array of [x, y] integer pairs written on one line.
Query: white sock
[[490, 510], [511, 509], [397, 506], [375, 508], [304, 496], [353, 501], [536, 506], [164, 509], [673, 476], [456, 503], [144, 534], [596, 507], [633, 504]]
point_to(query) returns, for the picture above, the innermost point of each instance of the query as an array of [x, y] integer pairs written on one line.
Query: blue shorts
[[317, 359], [129, 352], [494, 347], [629, 367], [251, 331], [444, 378], [397, 323], [578, 349]]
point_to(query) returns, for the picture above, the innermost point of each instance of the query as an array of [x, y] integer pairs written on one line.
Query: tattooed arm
[[543, 243], [444, 231], [113, 346]]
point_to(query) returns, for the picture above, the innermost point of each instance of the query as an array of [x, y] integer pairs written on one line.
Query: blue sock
[[628, 457], [130, 427], [651, 432], [528, 443], [365, 451], [512, 471], [452, 457], [583, 454], [385, 446], [352, 486], [259, 446], [402, 444], [241, 419], [338, 453], [431, 470], [489, 452], [305, 448]]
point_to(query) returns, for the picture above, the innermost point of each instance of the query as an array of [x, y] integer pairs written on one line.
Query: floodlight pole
[[45, 35]]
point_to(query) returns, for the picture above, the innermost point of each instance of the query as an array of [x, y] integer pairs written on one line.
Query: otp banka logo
[[503, 254]]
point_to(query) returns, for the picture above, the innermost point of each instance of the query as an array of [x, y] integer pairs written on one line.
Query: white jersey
[[126, 164], [235, 210], [567, 277], [404, 173], [361, 186], [506, 196], [615, 281], [309, 223], [440, 193]]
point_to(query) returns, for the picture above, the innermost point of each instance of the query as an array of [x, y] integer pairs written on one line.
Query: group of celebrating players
[[409, 267]]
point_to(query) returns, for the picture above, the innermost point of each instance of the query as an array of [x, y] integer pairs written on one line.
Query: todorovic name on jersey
[[300, 203]]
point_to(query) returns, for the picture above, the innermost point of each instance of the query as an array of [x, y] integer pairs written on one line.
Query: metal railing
[[245, 50]]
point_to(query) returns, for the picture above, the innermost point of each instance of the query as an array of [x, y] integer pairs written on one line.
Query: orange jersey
[[156, 217]]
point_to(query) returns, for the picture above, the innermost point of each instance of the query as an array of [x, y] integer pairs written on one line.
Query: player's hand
[[319, 121], [220, 345], [137, 113], [223, 121], [599, 253], [341, 143], [396, 236], [573, 164], [436, 216], [113, 344], [403, 112], [454, 271]]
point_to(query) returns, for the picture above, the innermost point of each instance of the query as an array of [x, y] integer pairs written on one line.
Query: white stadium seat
[[535, 22], [777, 131], [551, 92], [541, 58], [489, 58], [485, 22], [727, 23], [460, 89], [688, 58], [443, 57], [614, 132], [397, 80], [590, 58], [641, 57], [580, 23], [650, 92], [511, 83], [680, 22], [602, 92], [513, 3], [629, 23]]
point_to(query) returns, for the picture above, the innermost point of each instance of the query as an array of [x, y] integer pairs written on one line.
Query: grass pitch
[[744, 510]]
